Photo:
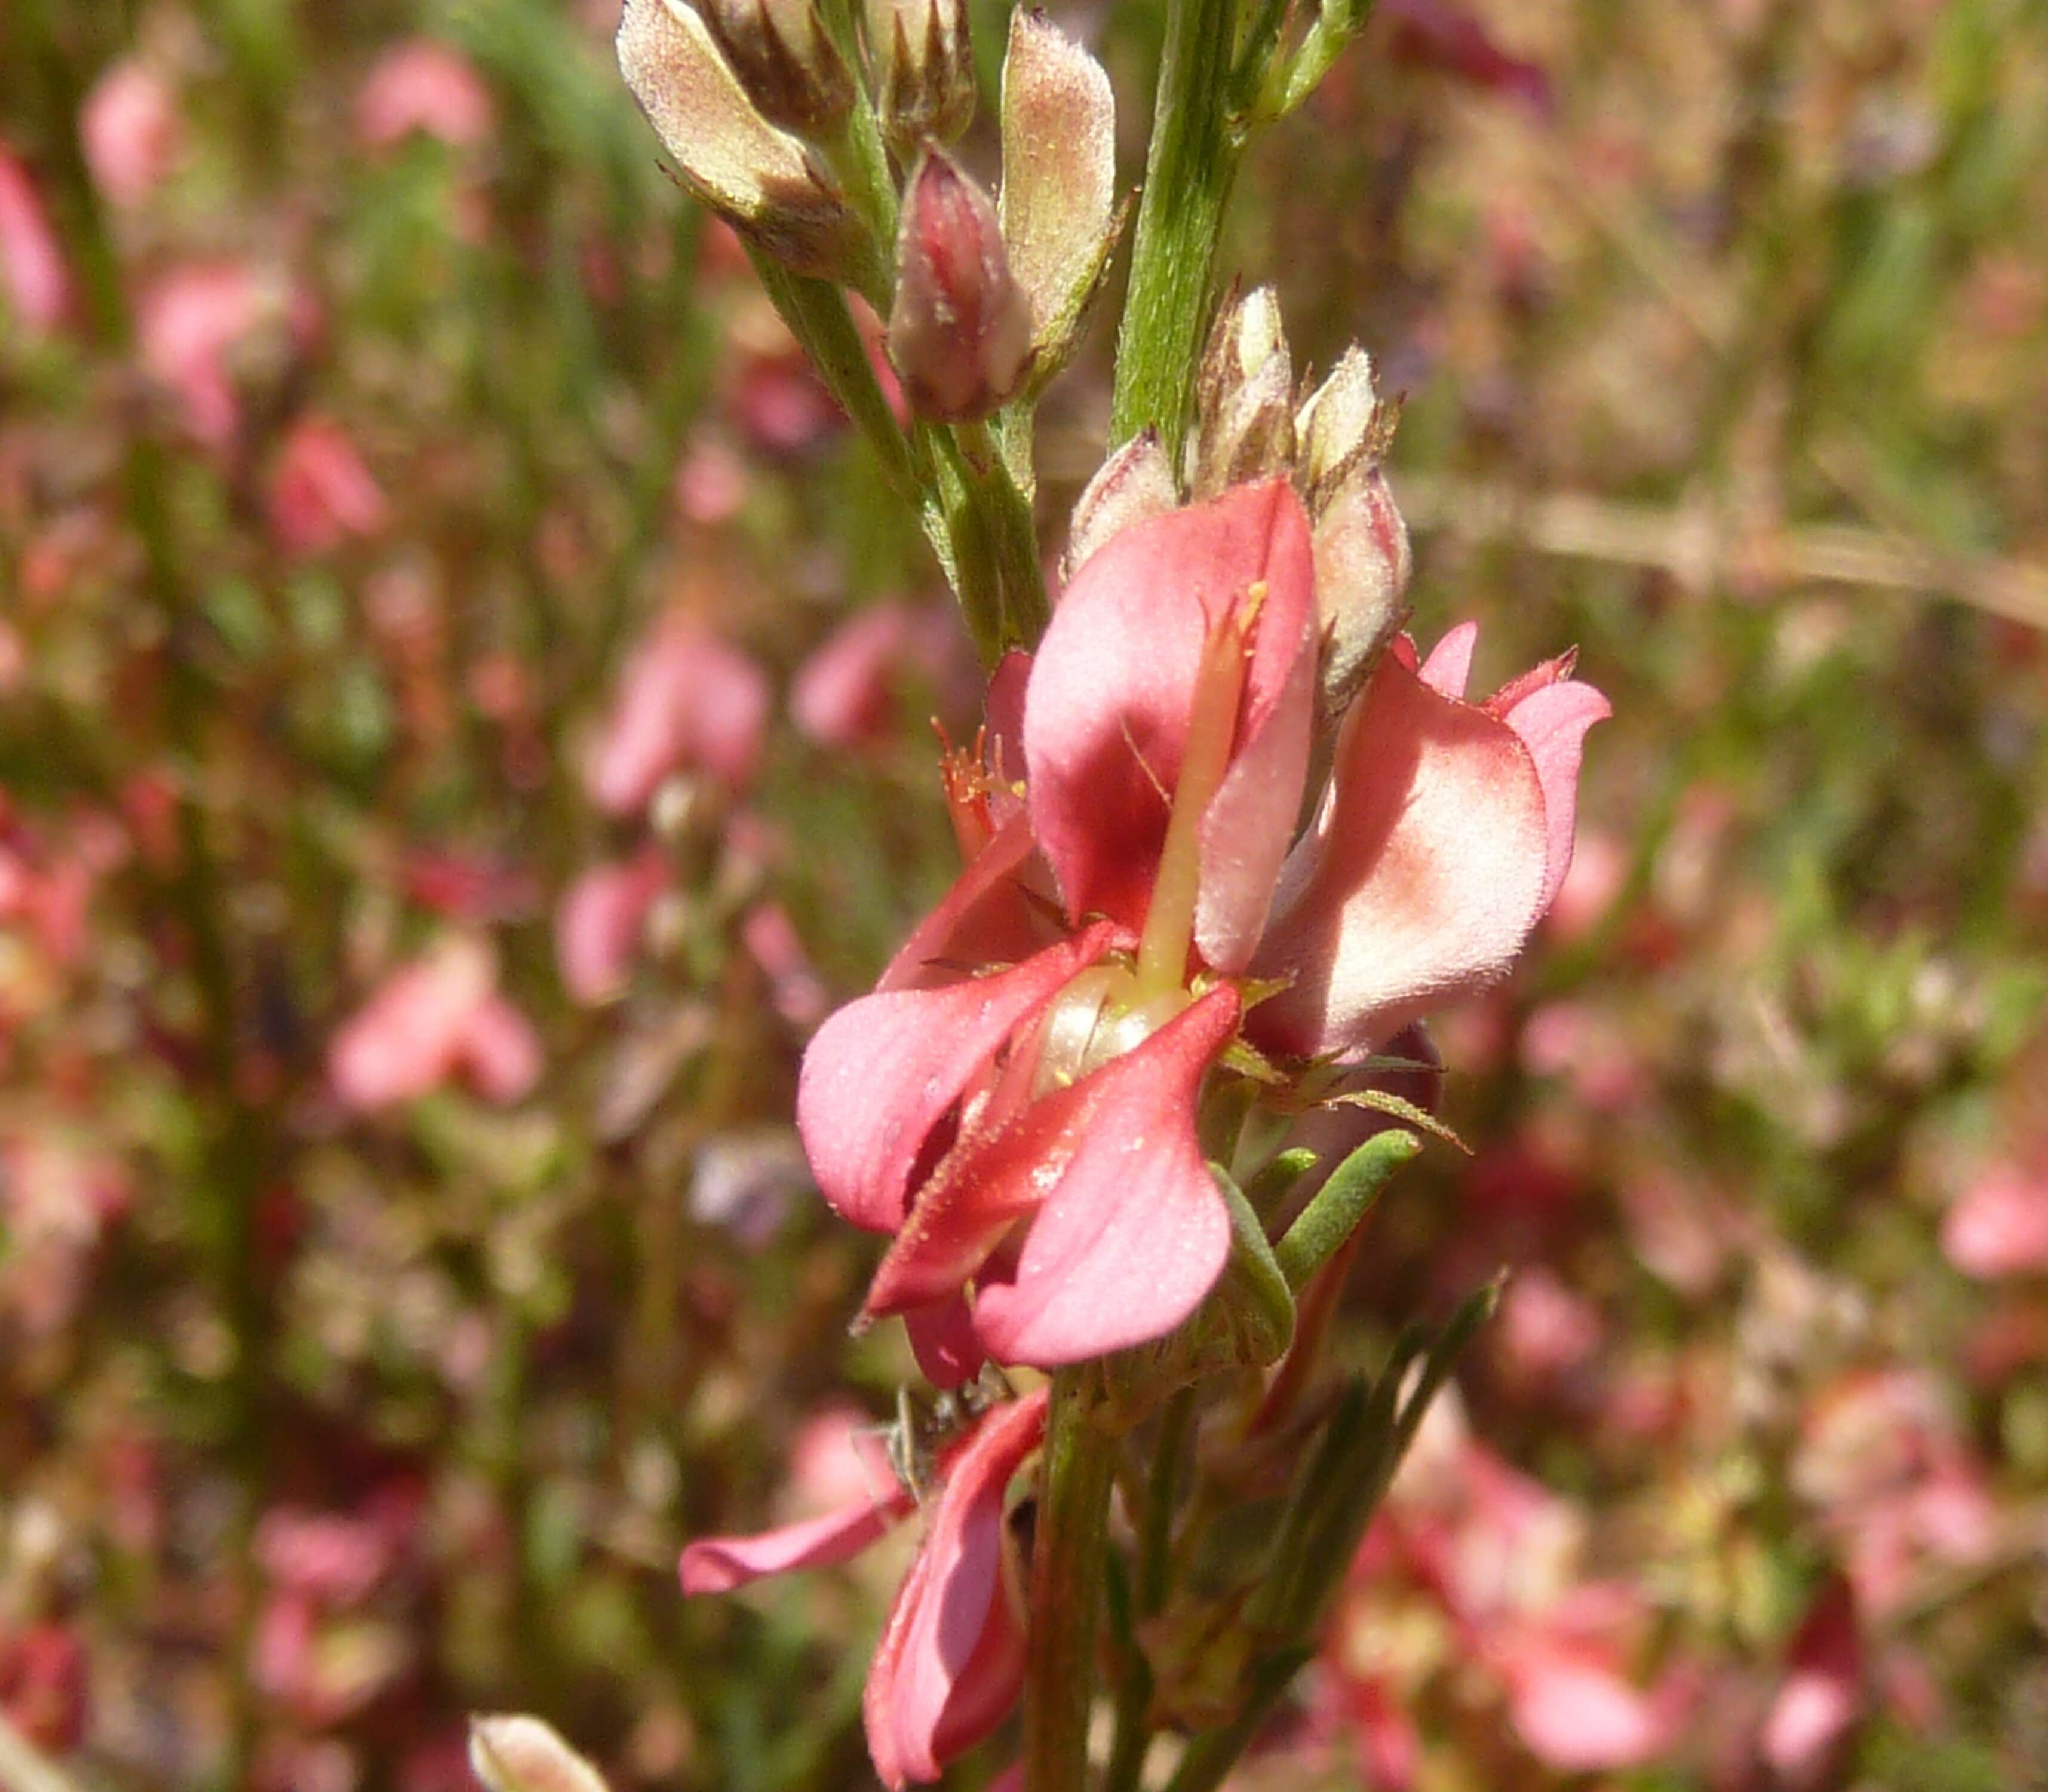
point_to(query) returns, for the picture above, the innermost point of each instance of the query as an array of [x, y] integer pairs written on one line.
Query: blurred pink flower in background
[[188, 320], [1823, 1694], [57, 1201], [321, 493], [129, 129], [31, 265], [850, 693], [599, 925], [798, 992], [420, 85], [1998, 1226], [434, 1019], [686, 702], [44, 1685], [950, 1663]]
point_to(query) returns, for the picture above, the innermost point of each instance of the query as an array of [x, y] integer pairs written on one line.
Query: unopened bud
[[525, 1754], [1342, 423], [1059, 202], [959, 332], [923, 63], [1244, 398], [1361, 568], [786, 62], [759, 178], [1134, 483]]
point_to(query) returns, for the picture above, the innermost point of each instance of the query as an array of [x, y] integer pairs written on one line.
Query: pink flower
[[687, 702], [950, 1663], [437, 1018], [320, 491], [188, 321], [422, 86], [1999, 1226], [1823, 1693], [845, 694], [1030, 1132], [599, 925], [129, 129], [31, 265]]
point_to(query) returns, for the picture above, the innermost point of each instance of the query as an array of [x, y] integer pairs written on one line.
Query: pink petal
[[1823, 1693], [31, 266], [882, 1073], [842, 694], [984, 919], [129, 130], [420, 85], [406, 1039], [943, 1340], [687, 702], [501, 1051], [1107, 714], [1552, 722], [1999, 1226], [717, 1565], [1420, 879], [321, 493], [1577, 1715], [598, 926], [1448, 670], [1129, 1232], [951, 1660]]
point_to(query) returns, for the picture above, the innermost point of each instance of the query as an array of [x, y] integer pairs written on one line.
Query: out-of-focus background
[[463, 700]]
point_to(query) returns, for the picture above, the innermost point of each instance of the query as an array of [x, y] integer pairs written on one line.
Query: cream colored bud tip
[[522, 1754]]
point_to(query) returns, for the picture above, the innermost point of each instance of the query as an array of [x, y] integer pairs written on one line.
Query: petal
[[1574, 1713], [1421, 878], [1447, 669], [1552, 722], [951, 1660], [881, 1074], [597, 928], [943, 1340], [501, 1052], [1107, 714], [1132, 1233], [984, 919], [717, 1565]]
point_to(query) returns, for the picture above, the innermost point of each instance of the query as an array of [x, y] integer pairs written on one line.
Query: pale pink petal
[[883, 1072], [844, 694], [1448, 670], [32, 264], [1999, 1226], [1553, 722], [321, 493], [187, 322], [407, 1038], [501, 1051], [687, 702], [129, 130], [1107, 714], [951, 1660], [599, 925], [1576, 1714], [422, 86], [1420, 879], [717, 1565]]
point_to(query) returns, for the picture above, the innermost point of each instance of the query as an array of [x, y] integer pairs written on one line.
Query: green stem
[[1188, 173], [1133, 1730], [1066, 1588]]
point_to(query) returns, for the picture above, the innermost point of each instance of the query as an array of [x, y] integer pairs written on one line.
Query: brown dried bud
[[922, 59], [1361, 543], [1244, 398], [786, 61], [1134, 483], [525, 1754], [759, 178], [1059, 203], [959, 332]]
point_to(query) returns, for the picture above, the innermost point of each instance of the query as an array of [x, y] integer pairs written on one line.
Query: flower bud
[[923, 63], [757, 177], [525, 1754], [959, 332], [786, 62], [1059, 203], [1361, 543], [1135, 483], [1244, 398]]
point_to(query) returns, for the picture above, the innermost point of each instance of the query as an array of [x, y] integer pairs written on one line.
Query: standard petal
[[1107, 715], [1552, 722], [1421, 878], [717, 1565], [951, 1660], [1447, 669], [880, 1075]]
